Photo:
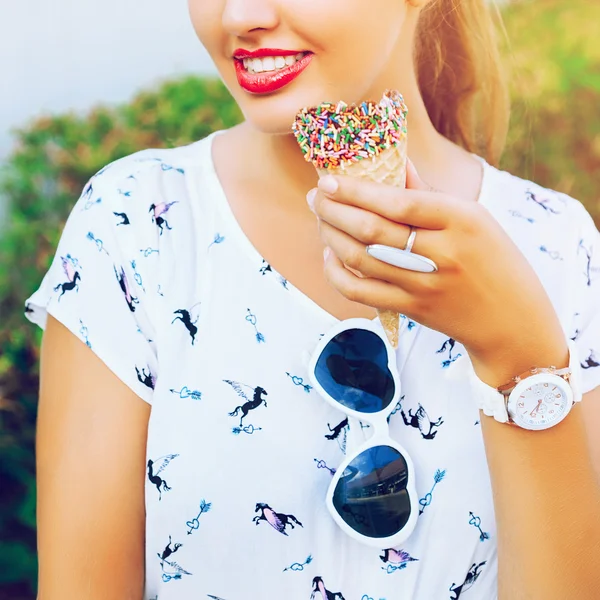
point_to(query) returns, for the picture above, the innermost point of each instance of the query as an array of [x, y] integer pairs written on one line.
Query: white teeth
[[270, 63]]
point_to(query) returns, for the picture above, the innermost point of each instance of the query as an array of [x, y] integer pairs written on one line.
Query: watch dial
[[541, 405]]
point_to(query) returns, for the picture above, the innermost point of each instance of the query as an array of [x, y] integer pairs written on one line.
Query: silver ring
[[411, 239], [402, 258]]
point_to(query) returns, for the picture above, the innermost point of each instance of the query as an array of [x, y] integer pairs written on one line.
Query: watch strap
[[493, 403]]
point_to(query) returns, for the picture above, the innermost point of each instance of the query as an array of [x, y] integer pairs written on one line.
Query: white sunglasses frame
[[380, 437]]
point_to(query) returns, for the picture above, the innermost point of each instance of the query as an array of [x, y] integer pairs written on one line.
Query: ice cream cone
[[381, 128]]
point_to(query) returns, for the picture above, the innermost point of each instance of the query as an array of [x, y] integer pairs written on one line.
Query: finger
[[367, 227], [354, 255], [371, 292], [428, 210]]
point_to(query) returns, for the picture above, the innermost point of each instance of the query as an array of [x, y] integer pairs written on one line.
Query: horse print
[[257, 399], [319, 587], [168, 550], [541, 203], [470, 579], [170, 569], [154, 470], [448, 345], [420, 420], [339, 433], [590, 362], [184, 316], [158, 210], [396, 560], [277, 521], [267, 268], [72, 275], [124, 218], [124, 285], [146, 378]]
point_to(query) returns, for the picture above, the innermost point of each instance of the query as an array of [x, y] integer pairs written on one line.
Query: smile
[[266, 74]]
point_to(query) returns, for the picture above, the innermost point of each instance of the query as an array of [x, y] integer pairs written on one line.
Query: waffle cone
[[388, 167]]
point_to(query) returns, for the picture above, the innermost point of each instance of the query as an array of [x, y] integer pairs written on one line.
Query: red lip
[[270, 81], [241, 53]]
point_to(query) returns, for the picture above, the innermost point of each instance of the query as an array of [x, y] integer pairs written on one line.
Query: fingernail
[[326, 252], [310, 198], [328, 184]]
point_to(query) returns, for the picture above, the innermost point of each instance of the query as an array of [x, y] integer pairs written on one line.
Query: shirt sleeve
[[587, 316], [102, 281]]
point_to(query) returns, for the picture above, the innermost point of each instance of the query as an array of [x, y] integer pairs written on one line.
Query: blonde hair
[[460, 74]]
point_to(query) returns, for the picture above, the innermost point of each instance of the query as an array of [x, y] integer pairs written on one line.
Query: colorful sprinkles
[[332, 135]]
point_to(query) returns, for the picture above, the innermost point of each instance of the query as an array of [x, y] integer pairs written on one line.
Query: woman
[[187, 455]]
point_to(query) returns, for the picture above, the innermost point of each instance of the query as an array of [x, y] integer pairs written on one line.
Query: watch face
[[540, 401]]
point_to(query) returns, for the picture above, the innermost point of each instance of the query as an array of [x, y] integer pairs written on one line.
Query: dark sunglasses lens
[[353, 369], [371, 494]]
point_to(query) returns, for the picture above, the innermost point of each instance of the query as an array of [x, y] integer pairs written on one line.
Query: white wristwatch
[[535, 400]]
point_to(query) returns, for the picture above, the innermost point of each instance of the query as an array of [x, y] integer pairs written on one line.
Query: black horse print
[[318, 587], [448, 345], [185, 317], [590, 361], [267, 268], [124, 285], [420, 420], [541, 203], [339, 433], [277, 521], [588, 267], [335, 431], [168, 550], [470, 579], [154, 470], [248, 405], [124, 218], [158, 210], [146, 378], [73, 277]]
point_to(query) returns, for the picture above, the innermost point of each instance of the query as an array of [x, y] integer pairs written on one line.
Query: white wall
[[72, 54]]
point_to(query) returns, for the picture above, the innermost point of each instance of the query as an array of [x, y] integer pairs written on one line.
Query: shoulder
[[153, 172], [147, 190], [530, 211]]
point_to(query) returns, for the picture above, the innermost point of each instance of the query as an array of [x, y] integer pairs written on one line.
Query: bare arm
[[547, 499], [91, 442]]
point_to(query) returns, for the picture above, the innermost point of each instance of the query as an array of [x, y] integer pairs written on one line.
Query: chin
[[275, 113]]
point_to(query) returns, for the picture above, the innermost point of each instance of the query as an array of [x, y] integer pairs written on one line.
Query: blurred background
[[86, 82]]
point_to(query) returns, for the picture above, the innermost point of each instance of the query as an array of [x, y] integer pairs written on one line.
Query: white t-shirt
[[156, 276]]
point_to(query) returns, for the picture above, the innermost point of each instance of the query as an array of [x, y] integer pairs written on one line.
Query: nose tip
[[241, 18]]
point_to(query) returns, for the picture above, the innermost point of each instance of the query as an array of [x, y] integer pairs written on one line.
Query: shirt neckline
[[249, 249], [252, 252]]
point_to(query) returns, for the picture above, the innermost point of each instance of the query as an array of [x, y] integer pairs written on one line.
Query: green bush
[[554, 139], [44, 176]]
